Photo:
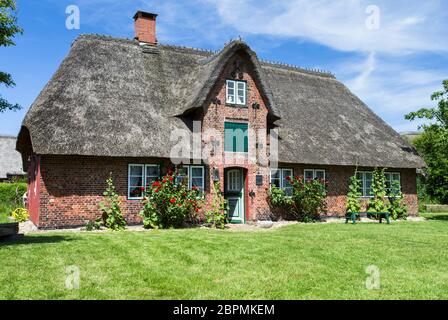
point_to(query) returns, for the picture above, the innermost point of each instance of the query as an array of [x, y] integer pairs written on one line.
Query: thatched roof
[[10, 160], [113, 97]]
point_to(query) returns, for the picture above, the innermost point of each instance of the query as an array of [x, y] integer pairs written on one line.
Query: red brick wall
[[216, 115], [338, 182], [72, 188]]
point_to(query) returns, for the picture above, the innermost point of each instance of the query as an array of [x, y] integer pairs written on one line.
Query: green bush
[[12, 192], [397, 209], [94, 225], [169, 204], [217, 215], [378, 203], [110, 208], [307, 201], [353, 203]]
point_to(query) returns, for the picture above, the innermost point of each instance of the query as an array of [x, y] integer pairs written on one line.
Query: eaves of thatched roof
[[114, 97]]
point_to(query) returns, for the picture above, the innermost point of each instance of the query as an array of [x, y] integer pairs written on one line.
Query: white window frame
[[235, 92], [364, 180], [314, 171], [281, 176], [364, 185], [144, 177], [190, 177], [391, 175]]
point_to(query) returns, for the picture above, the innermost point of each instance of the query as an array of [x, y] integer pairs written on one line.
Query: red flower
[[173, 200], [170, 172], [171, 179], [157, 190], [197, 210], [288, 178], [142, 188], [156, 184]]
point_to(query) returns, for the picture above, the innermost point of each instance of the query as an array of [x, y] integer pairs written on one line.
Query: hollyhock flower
[[288, 178], [173, 200], [156, 184], [142, 188], [171, 179], [156, 190]]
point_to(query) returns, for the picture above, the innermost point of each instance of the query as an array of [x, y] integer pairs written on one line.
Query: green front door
[[234, 193]]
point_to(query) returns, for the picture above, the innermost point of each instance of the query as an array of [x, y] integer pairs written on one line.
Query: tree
[[8, 29], [433, 144]]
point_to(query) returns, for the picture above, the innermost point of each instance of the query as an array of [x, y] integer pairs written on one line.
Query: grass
[[315, 261]]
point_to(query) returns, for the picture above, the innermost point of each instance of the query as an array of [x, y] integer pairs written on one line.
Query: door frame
[[242, 198]]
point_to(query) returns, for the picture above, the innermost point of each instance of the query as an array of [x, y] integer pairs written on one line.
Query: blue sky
[[392, 55]]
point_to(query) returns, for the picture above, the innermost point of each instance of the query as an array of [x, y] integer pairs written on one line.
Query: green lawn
[[314, 261]]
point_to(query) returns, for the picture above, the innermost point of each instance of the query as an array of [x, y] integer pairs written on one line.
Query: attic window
[[236, 92]]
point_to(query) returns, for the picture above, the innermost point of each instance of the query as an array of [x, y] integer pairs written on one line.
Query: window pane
[[275, 182], [241, 85], [286, 173], [320, 174], [135, 192], [136, 170], [396, 177], [197, 172], [136, 181], [309, 175], [275, 174], [182, 175], [197, 182], [236, 137], [152, 171], [368, 176]]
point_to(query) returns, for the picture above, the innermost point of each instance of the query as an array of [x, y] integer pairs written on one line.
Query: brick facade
[[71, 187]]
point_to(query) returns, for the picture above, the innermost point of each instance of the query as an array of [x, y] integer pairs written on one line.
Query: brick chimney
[[145, 27]]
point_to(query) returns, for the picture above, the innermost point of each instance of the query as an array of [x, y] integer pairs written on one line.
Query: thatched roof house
[[122, 99]]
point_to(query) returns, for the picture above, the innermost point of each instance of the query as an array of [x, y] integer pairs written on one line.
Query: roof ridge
[[212, 53], [7, 136], [287, 66]]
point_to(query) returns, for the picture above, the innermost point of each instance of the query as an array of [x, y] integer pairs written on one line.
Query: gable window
[[309, 174], [140, 177], [236, 92], [279, 179], [236, 137], [195, 175]]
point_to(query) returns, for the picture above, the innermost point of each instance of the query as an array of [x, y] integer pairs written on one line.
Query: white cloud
[[341, 25]]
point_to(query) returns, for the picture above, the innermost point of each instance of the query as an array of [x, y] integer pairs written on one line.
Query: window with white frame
[[312, 174], [141, 176], [366, 179], [195, 175], [236, 92], [393, 182], [279, 178]]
